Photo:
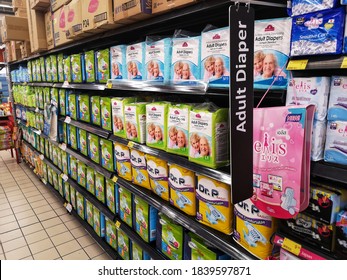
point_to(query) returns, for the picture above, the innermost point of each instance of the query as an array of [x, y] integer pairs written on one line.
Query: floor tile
[[3, 200], [32, 228], [28, 258], [28, 221], [7, 219], [39, 203], [103, 256], [93, 250], [25, 214], [14, 193], [31, 194], [10, 235], [14, 244], [50, 254], [60, 211], [42, 209], [36, 198], [51, 200], [78, 232], [6, 212], [41, 246], [36, 236], [8, 227], [73, 224], [85, 241], [21, 208], [55, 230], [19, 203], [18, 253], [2, 257], [51, 222], [57, 205], [62, 238], [5, 206], [15, 198], [47, 215], [78, 255], [68, 247]]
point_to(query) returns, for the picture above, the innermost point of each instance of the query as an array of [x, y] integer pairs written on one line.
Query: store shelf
[[5, 117], [334, 172], [80, 86], [86, 126], [318, 62], [223, 242]]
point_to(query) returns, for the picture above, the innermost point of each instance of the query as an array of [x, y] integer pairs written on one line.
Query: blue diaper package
[[158, 59], [299, 7], [185, 61], [337, 109], [135, 60], [343, 2], [215, 57], [336, 142], [118, 64], [318, 33]]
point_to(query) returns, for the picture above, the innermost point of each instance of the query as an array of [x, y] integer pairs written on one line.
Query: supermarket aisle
[[33, 222]]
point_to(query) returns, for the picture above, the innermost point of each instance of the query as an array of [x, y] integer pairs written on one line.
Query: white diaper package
[[336, 142], [215, 57], [271, 51], [135, 60], [118, 64], [318, 140], [299, 7], [320, 32], [337, 108], [185, 61], [158, 60], [310, 90]]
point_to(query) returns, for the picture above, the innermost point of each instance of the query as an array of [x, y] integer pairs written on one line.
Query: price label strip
[[67, 120], [131, 144], [118, 224], [297, 64], [68, 207], [109, 84], [344, 63], [291, 246]]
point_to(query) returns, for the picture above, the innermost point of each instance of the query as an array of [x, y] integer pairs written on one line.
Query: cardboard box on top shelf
[[25, 49], [15, 50], [40, 5], [16, 4], [15, 29], [129, 11], [74, 20], [57, 4], [38, 40], [160, 6], [49, 30], [20, 12], [8, 57], [97, 15], [59, 18]]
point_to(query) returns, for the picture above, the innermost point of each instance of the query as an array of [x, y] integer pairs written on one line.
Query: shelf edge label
[[297, 64], [291, 246], [344, 62]]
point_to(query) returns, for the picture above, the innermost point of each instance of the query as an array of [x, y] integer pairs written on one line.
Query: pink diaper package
[[281, 159]]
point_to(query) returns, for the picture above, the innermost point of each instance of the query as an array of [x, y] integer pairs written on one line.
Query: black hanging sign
[[241, 21]]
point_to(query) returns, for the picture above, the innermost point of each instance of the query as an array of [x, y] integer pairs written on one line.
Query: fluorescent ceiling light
[[5, 6]]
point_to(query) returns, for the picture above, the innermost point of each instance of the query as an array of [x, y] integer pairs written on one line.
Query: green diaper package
[[82, 142], [89, 66], [100, 190], [118, 104], [106, 113], [43, 69], [107, 158], [67, 192], [72, 136], [84, 107], [62, 102], [73, 197], [73, 167], [81, 174], [209, 135], [48, 65], [124, 245], [99, 222], [54, 68], [76, 68], [95, 113], [135, 121], [103, 63], [67, 69], [89, 213], [73, 106], [60, 66], [80, 205], [90, 181], [125, 205], [111, 233], [94, 147]]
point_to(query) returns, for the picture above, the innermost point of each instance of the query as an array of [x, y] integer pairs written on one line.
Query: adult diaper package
[[135, 121], [106, 113], [156, 116], [124, 244], [158, 174], [271, 51], [170, 238], [81, 174], [215, 57], [196, 248], [337, 108], [185, 61], [318, 32], [145, 219], [103, 65], [94, 147], [89, 214], [99, 222], [157, 60], [90, 180], [111, 233], [107, 158], [177, 129], [311, 90], [118, 105], [89, 66], [336, 142], [208, 135], [299, 7], [318, 140], [111, 195], [100, 189], [138, 253], [77, 66], [125, 205], [123, 164], [135, 61], [95, 110], [213, 203], [341, 234], [254, 229], [182, 189], [118, 64], [84, 107], [82, 141], [80, 205], [139, 169]]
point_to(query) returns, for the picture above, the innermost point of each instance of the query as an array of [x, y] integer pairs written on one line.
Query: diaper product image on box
[[337, 109], [318, 140], [156, 115], [341, 233], [84, 108], [99, 222], [124, 245], [139, 169], [138, 253], [145, 219], [111, 195], [177, 129], [100, 189], [299, 7], [135, 60], [182, 189], [62, 102], [111, 233], [73, 110], [107, 158], [73, 197], [208, 135], [118, 105], [118, 64], [89, 212], [158, 174], [135, 121], [94, 147], [103, 65], [81, 174], [60, 65], [80, 204], [254, 229], [82, 142], [95, 110], [123, 164], [73, 167], [158, 60], [125, 205], [318, 33], [215, 58], [77, 66], [271, 52], [67, 69], [90, 180], [336, 142], [311, 90], [89, 58], [106, 113], [185, 61], [213, 204]]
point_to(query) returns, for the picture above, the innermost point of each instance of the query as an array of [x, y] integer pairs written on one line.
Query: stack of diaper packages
[[317, 27], [312, 90], [336, 135]]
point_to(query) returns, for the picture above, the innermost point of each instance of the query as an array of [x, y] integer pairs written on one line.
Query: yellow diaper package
[[158, 176], [139, 169], [182, 189], [254, 229], [123, 161], [214, 207]]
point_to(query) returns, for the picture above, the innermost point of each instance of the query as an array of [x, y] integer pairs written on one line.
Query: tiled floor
[[33, 222]]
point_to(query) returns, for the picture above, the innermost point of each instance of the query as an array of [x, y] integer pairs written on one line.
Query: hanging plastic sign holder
[[241, 23]]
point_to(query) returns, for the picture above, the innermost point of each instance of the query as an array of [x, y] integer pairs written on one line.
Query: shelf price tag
[[68, 207], [67, 120], [42, 157], [64, 177], [66, 84], [344, 62], [115, 179], [37, 110], [44, 181], [131, 144], [109, 84], [291, 246], [118, 224], [38, 132], [297, 64], [62, 146]]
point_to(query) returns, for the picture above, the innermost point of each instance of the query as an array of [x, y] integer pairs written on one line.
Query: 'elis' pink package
[[281, 159]]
